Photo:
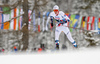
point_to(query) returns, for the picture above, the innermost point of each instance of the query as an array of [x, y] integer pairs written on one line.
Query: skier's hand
[[64, 19], [68, 20], [51, 26]]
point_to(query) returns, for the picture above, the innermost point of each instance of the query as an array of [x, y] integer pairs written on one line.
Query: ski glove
[[51, 18], [65, 20]]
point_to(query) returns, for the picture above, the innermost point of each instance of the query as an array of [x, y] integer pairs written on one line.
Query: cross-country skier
[[61, 25]]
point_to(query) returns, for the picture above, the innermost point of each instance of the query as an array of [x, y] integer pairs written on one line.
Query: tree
[[25, 36], [25, 5]]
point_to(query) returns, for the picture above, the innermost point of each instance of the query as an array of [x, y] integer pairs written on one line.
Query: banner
[[39, 22], [6, 10], [2, 20], [83, 21], [34, 24], [92, 24], [89, 21], [6, 23], [0, 17], [29, 16], [44, 13], [96, 23], [12, 21], [75, 22], [15, 20], [47, 22], [20, 19], [71, 23], [16, 24], [79, 21], [99, 26]]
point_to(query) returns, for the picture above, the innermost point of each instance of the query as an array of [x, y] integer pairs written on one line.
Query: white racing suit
[[61, 26]]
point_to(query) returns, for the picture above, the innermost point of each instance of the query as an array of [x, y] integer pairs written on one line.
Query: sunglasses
[[55, 10]]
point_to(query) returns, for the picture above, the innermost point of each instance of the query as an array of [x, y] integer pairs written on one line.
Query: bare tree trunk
[[25, 36]]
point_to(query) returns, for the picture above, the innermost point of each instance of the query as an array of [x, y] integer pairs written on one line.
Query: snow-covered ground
[[48, 39]]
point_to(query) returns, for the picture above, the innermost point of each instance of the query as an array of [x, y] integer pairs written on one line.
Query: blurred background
[[25, 24]]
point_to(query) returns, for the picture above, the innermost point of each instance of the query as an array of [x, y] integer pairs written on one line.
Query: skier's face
[[56, 11]]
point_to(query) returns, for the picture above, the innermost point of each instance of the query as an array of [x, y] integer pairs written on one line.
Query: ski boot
[[74, 44], [42, 46], [57, 46]]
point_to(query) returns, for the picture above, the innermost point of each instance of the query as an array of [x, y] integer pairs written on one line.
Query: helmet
[[55, 7]]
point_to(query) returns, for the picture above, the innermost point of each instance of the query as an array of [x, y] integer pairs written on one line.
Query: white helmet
[[55, 7]]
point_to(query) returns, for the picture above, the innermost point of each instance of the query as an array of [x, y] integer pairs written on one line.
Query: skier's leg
[[69, 36], [57, 33], [71, 39]]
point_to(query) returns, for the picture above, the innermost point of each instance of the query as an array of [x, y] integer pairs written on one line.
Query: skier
[[61, 25]]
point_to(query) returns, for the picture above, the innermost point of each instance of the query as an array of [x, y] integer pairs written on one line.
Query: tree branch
[[43, 4], [14, 6], [37, 5], [12, 19]]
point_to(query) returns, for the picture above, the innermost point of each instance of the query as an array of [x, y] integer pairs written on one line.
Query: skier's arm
[[66, 18], [51, 18]]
